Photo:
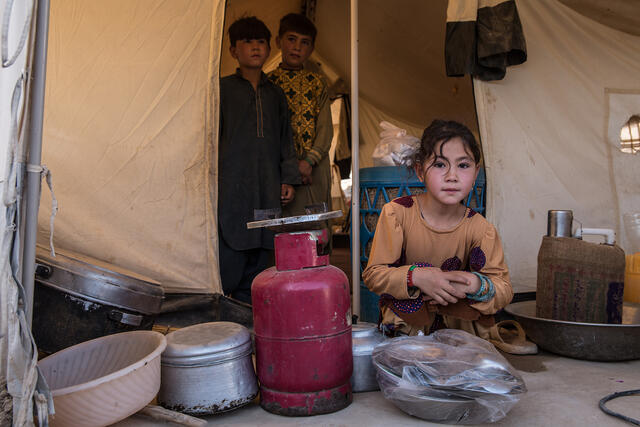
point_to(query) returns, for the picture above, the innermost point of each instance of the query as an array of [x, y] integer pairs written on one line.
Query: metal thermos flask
[[559, 223]]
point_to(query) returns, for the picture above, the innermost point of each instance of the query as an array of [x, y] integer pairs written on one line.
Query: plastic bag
[[449, 376], [395, 146]]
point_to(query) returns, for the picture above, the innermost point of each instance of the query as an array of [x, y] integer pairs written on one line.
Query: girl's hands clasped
[[444, 287]]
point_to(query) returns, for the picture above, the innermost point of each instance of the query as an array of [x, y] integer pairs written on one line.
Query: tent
[[142, 192], [130, 121]]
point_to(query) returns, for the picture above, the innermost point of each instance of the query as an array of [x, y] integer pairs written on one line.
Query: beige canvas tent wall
[[129, 133]]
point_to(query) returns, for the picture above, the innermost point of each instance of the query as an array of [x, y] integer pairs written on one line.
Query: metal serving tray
[[295, 223], [589, 341]]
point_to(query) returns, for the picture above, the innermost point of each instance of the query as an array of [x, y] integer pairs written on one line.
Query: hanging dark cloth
[[483, 38]]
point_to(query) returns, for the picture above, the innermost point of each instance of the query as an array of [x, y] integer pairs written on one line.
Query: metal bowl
[[441, 406], [442, 410], [589, 341]]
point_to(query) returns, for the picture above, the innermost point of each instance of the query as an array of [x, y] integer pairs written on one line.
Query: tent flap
[[128, 135]]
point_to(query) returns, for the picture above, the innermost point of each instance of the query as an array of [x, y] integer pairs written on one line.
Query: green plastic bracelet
[[485, 285]]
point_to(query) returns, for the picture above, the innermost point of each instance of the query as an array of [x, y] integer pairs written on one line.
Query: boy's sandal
[[509, 337]]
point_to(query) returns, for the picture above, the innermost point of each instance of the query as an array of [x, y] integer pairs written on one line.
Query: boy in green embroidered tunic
[[310, 109], [257, 166]]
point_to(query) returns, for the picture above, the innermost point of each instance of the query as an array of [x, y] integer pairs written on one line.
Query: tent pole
[[355, 163], [34, 143]]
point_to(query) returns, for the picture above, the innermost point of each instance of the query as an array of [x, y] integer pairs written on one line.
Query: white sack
[[370, 117], [394, 147]]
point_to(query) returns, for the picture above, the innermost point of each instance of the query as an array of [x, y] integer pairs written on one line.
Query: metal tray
[[589, 341], [291, 224]]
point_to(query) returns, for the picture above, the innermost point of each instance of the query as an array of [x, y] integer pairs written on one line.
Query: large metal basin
[[590, 341]]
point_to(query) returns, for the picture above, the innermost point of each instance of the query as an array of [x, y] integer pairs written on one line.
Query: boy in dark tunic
[[257, 163]]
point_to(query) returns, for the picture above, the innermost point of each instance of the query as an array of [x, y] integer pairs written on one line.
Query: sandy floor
[[561, 392]]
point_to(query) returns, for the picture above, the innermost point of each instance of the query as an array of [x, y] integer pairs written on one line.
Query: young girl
[[434, 262]]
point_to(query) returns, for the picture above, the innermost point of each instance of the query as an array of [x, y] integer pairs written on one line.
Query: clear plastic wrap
[[449, 376], [395, 147]]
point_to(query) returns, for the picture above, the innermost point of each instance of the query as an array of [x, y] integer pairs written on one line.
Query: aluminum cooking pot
[[207, 368], [78, 298], [365, 336]]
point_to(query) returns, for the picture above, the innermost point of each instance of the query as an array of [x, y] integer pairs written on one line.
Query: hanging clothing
[[256, 156], [312, 127], [403, 238], [483, 38]]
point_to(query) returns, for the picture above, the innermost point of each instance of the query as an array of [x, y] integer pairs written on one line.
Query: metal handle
[[43, 271], [608, 234], [125, 318]]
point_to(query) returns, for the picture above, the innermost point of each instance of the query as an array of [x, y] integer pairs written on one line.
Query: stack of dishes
[[449, 376]]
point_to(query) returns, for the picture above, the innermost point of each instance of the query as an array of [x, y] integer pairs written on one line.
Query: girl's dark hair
[[442, 130], [250, 28], [299, 24]]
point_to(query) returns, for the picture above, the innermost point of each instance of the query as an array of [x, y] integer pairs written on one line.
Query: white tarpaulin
[[18, 354], [130, 133], [551, 132]]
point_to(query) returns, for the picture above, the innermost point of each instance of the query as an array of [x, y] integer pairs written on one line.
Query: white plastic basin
[[102, 381]]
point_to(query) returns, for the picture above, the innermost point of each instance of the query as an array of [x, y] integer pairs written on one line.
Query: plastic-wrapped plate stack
[[449, 376]]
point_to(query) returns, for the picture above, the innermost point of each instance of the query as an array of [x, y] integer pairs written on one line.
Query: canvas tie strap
[[6, 20], [10, 181], [46, 174]]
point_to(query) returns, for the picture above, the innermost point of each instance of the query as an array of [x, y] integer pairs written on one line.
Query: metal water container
[[365, 337], [559, 223], [579, 281], [207, 368], [302, 323]]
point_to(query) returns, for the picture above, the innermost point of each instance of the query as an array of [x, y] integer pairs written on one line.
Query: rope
[[615, 414], [46, 174], [6, 21], [13, 155]]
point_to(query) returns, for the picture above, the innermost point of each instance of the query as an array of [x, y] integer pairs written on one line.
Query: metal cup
[[559, 223]]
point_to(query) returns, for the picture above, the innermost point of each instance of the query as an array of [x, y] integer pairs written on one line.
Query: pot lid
[[207, 343], [98, 281], [365, 336]]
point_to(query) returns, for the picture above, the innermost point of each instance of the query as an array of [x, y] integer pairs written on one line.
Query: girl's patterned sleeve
[[487, 258], [385, 272]]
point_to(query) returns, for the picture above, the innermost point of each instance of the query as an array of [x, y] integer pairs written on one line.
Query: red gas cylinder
[[302, 324]]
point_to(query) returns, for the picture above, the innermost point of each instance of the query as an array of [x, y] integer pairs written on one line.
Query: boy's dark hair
[[441, 130], [299, 24], [250, 28]]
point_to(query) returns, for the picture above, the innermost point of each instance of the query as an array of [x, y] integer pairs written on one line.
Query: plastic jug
[[632, 278]]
